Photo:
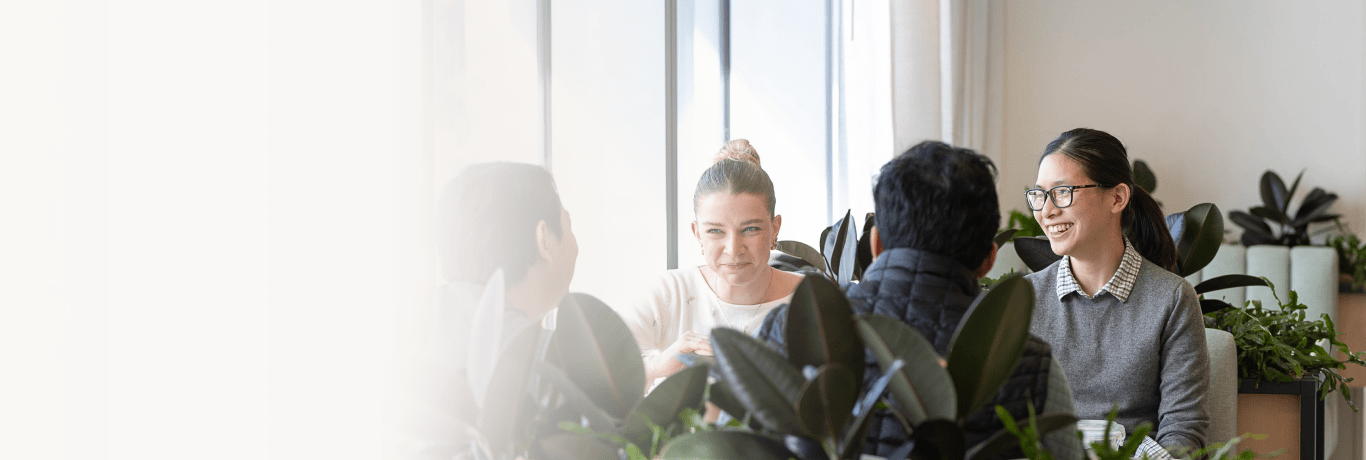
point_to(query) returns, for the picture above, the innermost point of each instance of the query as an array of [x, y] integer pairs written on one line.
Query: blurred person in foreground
[[492, 216]]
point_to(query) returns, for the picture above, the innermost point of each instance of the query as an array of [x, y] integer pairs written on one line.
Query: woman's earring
[[775, 243], [702, 249]]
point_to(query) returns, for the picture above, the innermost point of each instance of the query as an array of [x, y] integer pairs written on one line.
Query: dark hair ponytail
[[1104, 160]]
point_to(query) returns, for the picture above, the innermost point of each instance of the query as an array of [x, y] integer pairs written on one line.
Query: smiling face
[[1093, 216], [736, 233]]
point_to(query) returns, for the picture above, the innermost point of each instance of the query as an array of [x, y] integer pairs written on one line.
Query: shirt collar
[[1120, 285]]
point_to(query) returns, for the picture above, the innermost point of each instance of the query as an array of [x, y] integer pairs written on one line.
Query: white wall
[[1210, 93]]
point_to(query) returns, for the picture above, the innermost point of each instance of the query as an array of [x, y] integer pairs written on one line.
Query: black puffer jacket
[[931, 293]]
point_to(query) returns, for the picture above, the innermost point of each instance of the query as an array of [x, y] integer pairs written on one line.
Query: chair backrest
[[1223, 386]]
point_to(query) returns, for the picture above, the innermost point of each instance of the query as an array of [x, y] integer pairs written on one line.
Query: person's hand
[[666, 362]]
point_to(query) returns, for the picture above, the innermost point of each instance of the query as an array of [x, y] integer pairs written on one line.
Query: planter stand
[[1263, 410]]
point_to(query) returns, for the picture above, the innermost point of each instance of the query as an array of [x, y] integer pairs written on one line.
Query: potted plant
[[1274, 223], [811, 403], [536, 399]]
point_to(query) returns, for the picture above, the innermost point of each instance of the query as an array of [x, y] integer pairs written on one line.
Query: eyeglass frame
[[1051, 197]]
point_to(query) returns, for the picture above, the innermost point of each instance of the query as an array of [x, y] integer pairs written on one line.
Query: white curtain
[[947, 57], [915, 70]]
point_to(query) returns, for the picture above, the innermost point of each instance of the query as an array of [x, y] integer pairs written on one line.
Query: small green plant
[[1225, 450], [1025, 224], [1280, 345], [1351, 257]]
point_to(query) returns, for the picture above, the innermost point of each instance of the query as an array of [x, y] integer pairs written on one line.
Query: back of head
[[736, 170], [940, 199], [488, 216], [1106, 162]]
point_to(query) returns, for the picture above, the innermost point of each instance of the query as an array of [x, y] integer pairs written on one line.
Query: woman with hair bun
[[735, 227], [1127, 330]]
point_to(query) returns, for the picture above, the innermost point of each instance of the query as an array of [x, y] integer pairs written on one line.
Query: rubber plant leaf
[[661, 407], [575, 446], [507, 405], [727, 445], [599, 354], [1003, 440], [578, 400], [806, 253], [1204, 232], [820, 328], [760, 378], [1274, 194], [1144, 177], [1004, 237], [922, 388], [1228, 281], [486, 336], [1037, 253], [989, 341], [827, 402]]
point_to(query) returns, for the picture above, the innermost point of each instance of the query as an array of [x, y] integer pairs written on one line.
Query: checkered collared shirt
[[1120, 285]]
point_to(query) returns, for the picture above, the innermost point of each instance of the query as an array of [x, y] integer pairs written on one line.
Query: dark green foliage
[[1274, 223], [1351, 257], [983, 352], [1143, 177], [1030, 436], [1281, 345], [839, 245], [1024, 224]]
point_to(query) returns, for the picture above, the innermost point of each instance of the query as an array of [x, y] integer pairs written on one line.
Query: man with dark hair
[[492, 217], [936, 215]]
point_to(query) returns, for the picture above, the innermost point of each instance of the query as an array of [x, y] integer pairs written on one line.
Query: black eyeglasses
[[1061, 195]]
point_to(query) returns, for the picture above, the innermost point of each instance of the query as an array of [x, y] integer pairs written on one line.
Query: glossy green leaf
[[720, 394], [854, 436], [726, 445], [1004, 237], [806, 253], [1250, 223], [662, 406], [865, 247], [1003, 440], [1273, 190], [1291, 192], [1037, 253], [938, 439], [989, 341], [576, 446], [1228, 281], [1144, 177], [506, 407], [1204, 232], [923, 389], [582, 404], [820, 327], [760, 378], [842, 250], [1313, 210], [1208, 306], [1269, 214], [599, 354], [827, 401]]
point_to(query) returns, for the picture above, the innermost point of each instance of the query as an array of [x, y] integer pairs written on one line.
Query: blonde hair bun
[[738, 149]]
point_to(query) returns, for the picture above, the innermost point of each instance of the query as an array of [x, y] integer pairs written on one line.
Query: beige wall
[[1210, 93]]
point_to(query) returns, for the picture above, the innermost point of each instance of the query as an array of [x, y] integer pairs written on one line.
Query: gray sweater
[[1145, 354]]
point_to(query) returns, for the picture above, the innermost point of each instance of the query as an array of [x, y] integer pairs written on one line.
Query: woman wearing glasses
[[735, 228], [1128, 331]]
